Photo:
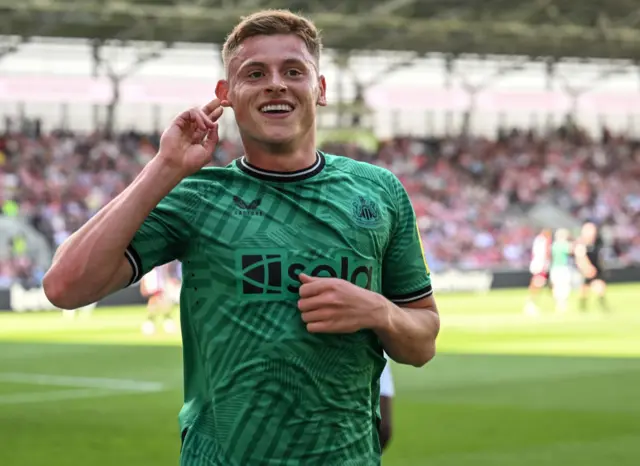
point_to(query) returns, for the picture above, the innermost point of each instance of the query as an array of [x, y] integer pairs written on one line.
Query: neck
[[280, 157]]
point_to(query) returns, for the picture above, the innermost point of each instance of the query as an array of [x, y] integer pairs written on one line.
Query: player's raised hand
[[189, 141], [333, 305]]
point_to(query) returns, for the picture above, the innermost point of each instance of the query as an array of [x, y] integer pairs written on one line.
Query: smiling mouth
[[276, 109]]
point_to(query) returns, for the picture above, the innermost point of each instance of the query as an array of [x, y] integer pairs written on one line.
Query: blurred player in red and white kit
[[161, 287], [539, 268]]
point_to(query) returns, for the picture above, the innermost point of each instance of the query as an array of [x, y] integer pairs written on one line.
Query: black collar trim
[[282, 177]]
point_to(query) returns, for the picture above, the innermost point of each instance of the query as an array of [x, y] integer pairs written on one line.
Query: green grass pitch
[[504, 390]]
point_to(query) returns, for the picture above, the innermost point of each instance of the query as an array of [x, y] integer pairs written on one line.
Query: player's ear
[[222, 92], [322, 95]]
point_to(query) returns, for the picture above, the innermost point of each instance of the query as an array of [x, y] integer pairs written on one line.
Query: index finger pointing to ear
[[211, 106], [216, 114]]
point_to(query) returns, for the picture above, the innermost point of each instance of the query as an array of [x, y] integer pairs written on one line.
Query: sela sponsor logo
[[270, 274], [32, 300]]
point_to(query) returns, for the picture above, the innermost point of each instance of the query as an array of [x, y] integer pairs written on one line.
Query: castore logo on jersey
[[247, 210]]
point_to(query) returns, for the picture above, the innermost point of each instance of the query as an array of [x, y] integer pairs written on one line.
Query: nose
[[276, 84]]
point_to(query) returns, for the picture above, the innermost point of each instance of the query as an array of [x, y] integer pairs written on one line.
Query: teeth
[[277, 108]]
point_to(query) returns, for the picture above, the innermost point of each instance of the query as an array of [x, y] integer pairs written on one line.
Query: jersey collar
[[282, 177]]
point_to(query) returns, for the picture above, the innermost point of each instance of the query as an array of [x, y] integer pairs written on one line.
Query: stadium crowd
[[470, 195]]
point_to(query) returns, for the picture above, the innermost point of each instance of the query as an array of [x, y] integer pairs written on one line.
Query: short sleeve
[[162, 237], [405, 273]]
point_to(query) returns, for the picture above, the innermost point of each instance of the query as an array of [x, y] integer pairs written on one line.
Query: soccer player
[[560, 272], [299, 268], [539, 268], [387, 392], [157, 287], [588, 254]]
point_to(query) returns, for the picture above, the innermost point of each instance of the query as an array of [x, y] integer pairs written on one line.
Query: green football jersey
[[259, 388], [560, 254]]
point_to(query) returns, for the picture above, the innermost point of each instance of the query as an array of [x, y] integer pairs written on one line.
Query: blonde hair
[[272, 22]]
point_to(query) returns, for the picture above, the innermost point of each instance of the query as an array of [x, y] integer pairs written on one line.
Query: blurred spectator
[[471, 195]]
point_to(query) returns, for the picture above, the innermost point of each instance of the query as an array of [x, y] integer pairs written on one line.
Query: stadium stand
[[474, 197]]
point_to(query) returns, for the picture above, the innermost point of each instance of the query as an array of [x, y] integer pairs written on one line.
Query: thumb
[[212, 139]]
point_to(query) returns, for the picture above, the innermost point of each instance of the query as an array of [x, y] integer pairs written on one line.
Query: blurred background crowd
[[501, 119], [474, 197]]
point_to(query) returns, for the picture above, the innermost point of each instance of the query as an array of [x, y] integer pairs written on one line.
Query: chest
[[258, 239], [298, 217]]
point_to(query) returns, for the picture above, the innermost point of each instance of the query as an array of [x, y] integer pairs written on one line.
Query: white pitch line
[[59, 395], [84, 382], [89, 387]]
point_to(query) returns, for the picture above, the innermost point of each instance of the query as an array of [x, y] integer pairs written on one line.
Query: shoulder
[[209, 175], [189, 196], [376, 177], [203, 182], [358, 169]]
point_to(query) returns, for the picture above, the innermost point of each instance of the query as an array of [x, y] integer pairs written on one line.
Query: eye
[[256, 74], [293, 72]]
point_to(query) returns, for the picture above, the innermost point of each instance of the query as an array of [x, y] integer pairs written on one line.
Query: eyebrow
[[259, 64]]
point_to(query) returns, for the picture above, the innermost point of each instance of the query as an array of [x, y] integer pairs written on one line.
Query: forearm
[[584, 265], [85, 265], [409, 335]]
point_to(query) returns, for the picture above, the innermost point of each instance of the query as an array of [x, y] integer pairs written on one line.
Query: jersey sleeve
[[163, 236], [405, 274]]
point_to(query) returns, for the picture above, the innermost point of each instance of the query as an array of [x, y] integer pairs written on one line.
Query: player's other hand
[[333, 305], [188, 143]]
